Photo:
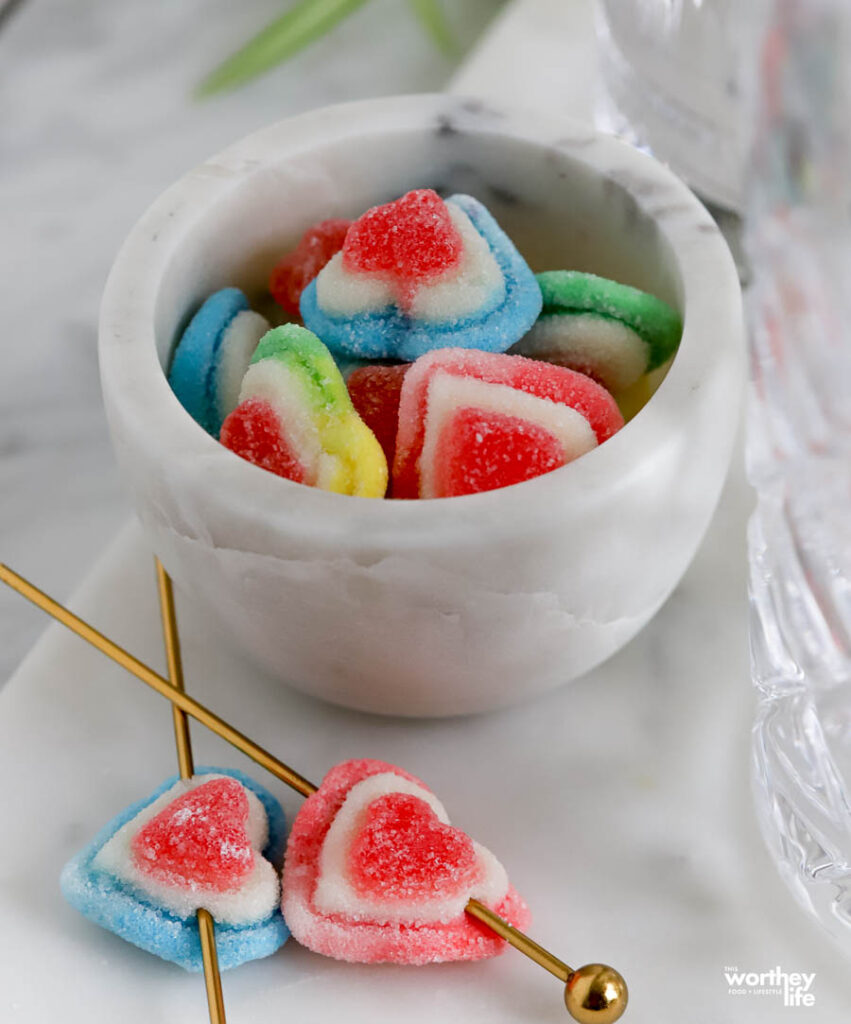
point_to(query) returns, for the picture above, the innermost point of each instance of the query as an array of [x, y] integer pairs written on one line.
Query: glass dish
[[799, 458]]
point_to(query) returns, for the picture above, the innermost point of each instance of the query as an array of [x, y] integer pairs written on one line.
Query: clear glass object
[[675, 79], [798, 242]]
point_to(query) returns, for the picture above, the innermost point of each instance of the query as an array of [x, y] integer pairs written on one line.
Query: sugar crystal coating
[[178, 878], [254, 431], [481, 451], [239, 343], [292, 274], [420, 274], [375, 392], [375, 873], [212, 355], [570, 293], [199, 839], [413, 277], [103, 883], [404, 852], [601, 347], [567, 405], [409, 241], [295, 418]]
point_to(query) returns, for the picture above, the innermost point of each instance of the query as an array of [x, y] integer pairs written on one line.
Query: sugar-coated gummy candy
[[199, 840], [292, 274], [610, 331], [475, 421], [375, 391], [418, 274], [375, 872], [405, 853], [295, 418], [480, 450], [212, 355], [410, 242], [212, 841]]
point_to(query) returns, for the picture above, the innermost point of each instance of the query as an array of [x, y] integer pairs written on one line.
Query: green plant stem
[[297, 28], [433, 19]]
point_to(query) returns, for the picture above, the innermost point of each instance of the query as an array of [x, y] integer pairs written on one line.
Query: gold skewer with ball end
[[593, 994]]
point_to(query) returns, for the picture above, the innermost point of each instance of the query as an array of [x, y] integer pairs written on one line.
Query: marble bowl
[[453, 605]]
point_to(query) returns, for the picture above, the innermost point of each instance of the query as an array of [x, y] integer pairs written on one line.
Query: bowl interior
[[559, 212], [433, 606]]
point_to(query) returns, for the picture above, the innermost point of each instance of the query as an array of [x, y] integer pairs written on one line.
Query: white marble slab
[[620, 806], [541, 51]]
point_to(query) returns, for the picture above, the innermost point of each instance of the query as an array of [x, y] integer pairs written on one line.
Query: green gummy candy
[[306, 357], [654, 321]]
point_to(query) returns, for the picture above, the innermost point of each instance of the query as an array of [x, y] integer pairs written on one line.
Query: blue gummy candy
[[390, 334], [193, 368], [118, 907]]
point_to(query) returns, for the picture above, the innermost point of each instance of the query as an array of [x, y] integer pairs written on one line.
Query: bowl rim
[[140, 402]]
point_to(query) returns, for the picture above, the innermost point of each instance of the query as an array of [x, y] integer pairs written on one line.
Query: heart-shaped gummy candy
[[374, 873], [480, 450], [199, 839], [409, 240], [404, 852]]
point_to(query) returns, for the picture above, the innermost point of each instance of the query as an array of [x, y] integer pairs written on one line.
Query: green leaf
[[430, 13], [297, 28]]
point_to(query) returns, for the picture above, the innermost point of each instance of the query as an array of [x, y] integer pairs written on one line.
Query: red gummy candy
[[375, 392], [543, 380], [199, 839], [404, 852], [406, 242], [480, 451], [297, 269], [253, 431], [378, 871]]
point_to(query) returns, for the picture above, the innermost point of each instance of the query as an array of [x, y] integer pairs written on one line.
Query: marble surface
[[637, 841], [620, 806], [554, 70], [97, 120]]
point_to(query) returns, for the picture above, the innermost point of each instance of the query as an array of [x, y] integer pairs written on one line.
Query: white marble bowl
[[452, 605]]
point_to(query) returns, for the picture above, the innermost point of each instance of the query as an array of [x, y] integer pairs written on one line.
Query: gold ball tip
[[595, 994]]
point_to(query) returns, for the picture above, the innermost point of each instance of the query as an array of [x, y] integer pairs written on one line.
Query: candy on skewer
[[594, 994], [186, 764], [146, 873], [375, 873], [201, 847]]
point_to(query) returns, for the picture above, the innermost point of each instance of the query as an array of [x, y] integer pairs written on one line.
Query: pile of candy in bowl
[[422, 358]]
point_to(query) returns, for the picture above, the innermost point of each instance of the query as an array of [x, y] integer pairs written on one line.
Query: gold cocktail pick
[[186, 765], [593, 994]]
